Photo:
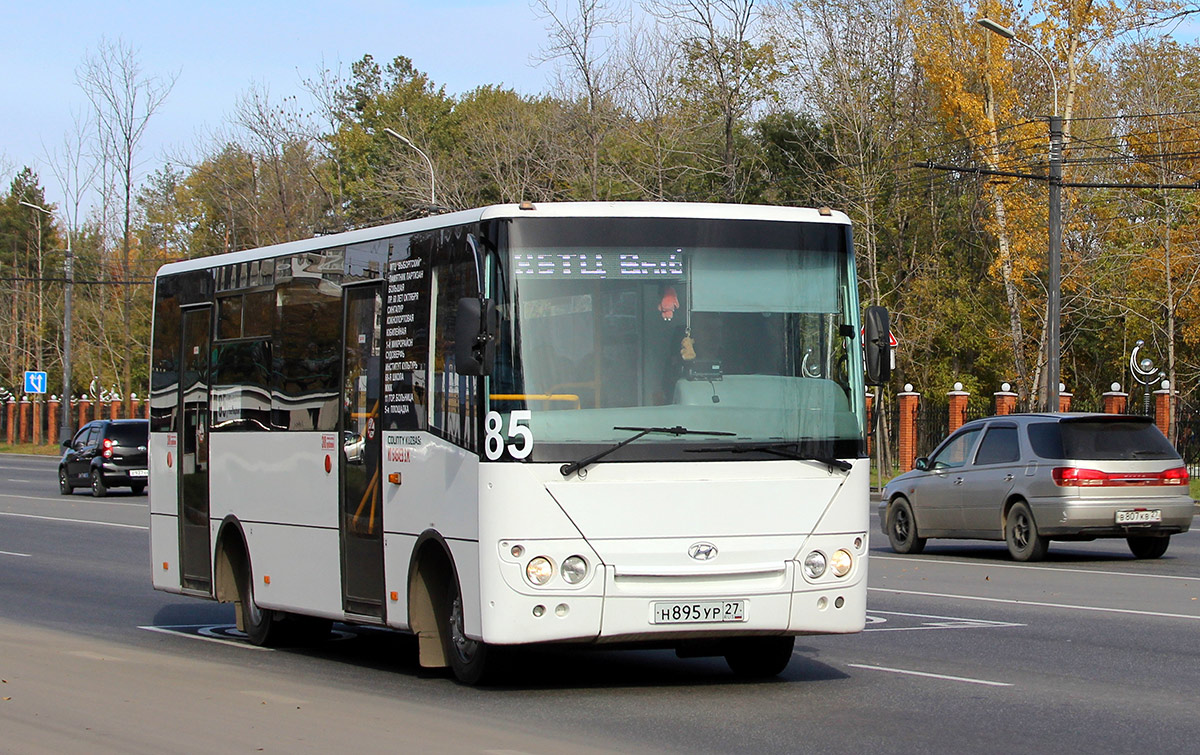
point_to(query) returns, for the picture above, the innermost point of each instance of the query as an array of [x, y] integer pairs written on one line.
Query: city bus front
[[676, 417]]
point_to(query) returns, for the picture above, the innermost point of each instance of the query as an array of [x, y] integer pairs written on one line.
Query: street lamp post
[[1054, 261], [406, 140], [1144, 373], [64, 427]]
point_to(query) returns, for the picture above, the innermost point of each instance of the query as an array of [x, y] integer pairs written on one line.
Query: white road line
[[67, 499], [75, 521], [990, 565], [945, 677], [942, 622], [10, 553], [13, 479], [174, 632], [1039, 604]]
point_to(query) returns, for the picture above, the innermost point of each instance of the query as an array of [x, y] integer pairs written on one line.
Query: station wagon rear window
[[1100, 439]]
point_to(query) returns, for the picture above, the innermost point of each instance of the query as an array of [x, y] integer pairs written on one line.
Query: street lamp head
[[34, 206], [1000, 29], [396, 135]]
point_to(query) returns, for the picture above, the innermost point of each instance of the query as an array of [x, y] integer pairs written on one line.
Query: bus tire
[[468, 659], [261, 626], [759, 657]]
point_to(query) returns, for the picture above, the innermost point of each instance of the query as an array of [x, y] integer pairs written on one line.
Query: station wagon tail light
[[1077, 477], [1176, 476], [108, 446]]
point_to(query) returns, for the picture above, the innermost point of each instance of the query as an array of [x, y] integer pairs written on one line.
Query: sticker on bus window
[[494, 444]]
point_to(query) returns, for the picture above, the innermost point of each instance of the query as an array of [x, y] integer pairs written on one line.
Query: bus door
[[361, 494], [195, 552]]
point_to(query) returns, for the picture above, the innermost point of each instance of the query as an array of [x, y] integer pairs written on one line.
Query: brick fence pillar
[[52, 428], [1115, 400], [11, 424], [114, 409], [1064, 401], [958, 406], [134, 406], [25, 412], [1162, 409], [85, 410], [909, 400], [1006, 400]]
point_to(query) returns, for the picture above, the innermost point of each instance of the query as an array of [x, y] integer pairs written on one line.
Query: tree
[[124, 101]]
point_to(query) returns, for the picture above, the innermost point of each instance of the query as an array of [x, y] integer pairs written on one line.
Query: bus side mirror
[[475, 336], [877, 346]]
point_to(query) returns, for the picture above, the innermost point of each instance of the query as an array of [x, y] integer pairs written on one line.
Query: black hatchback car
[[106, 453]]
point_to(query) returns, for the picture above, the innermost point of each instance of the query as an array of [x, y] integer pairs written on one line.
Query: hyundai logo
[[703, 551]]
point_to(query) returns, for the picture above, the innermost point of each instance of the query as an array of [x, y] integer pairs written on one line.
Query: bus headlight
[[841, 562], [814, 564], [539, 570], [574, 569]]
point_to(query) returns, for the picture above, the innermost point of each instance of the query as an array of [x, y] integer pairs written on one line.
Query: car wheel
[[759, 657], [1020, 532], [902, 528], [99, 489], [64, 485], [137, 487], [468, 658], [1148, 546]]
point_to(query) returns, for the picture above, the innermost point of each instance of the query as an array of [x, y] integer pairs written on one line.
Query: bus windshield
[[739, 327]]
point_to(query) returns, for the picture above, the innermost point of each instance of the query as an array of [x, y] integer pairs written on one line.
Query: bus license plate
[[1142, 516], [699, 612]]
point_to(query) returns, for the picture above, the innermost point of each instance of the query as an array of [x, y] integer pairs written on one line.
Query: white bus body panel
[[438, 491], [276, 486], [163, 455], [760, 516]]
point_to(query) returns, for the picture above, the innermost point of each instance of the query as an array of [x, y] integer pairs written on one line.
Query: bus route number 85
[[520, 436]]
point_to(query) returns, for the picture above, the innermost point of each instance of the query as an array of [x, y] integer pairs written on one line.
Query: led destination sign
[[599, 264]]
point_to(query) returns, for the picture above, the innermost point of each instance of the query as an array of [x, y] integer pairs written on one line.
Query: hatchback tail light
[[108, 448], [1079, 477]]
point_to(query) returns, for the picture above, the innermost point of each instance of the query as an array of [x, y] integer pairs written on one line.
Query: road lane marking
[[190, 631], [75, 521], [1068, 569], [67, 499], [929, 675], [940, 622], [14, 479], [10, 553], [1039, 604]]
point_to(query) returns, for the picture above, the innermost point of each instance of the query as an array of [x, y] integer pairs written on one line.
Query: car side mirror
[[877, 335], [921, 464], [475, 334]]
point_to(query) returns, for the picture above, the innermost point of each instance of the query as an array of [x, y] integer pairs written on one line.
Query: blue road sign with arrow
[[35, 382]]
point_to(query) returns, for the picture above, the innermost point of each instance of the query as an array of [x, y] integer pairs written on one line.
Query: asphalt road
[[1090, 650]]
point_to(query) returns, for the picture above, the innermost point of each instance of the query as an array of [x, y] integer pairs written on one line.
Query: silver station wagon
[[1031, 478]]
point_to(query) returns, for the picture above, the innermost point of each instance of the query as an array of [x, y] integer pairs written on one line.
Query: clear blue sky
[[219, 48]]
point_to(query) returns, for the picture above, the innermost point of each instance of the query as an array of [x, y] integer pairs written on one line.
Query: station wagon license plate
[[1140, 516], [698, 612]]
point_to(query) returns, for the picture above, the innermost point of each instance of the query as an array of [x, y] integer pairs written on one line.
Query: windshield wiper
[[567, 469], [784, 450]]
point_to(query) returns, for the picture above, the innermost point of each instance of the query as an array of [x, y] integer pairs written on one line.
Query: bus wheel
[[468, 658], [759, 657], [261, 627]]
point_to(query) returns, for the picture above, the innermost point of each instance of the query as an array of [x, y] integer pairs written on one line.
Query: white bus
[[635, 423]]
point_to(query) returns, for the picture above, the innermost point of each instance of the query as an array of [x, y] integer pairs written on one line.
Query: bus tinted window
[[306, 361], [241, 393]]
